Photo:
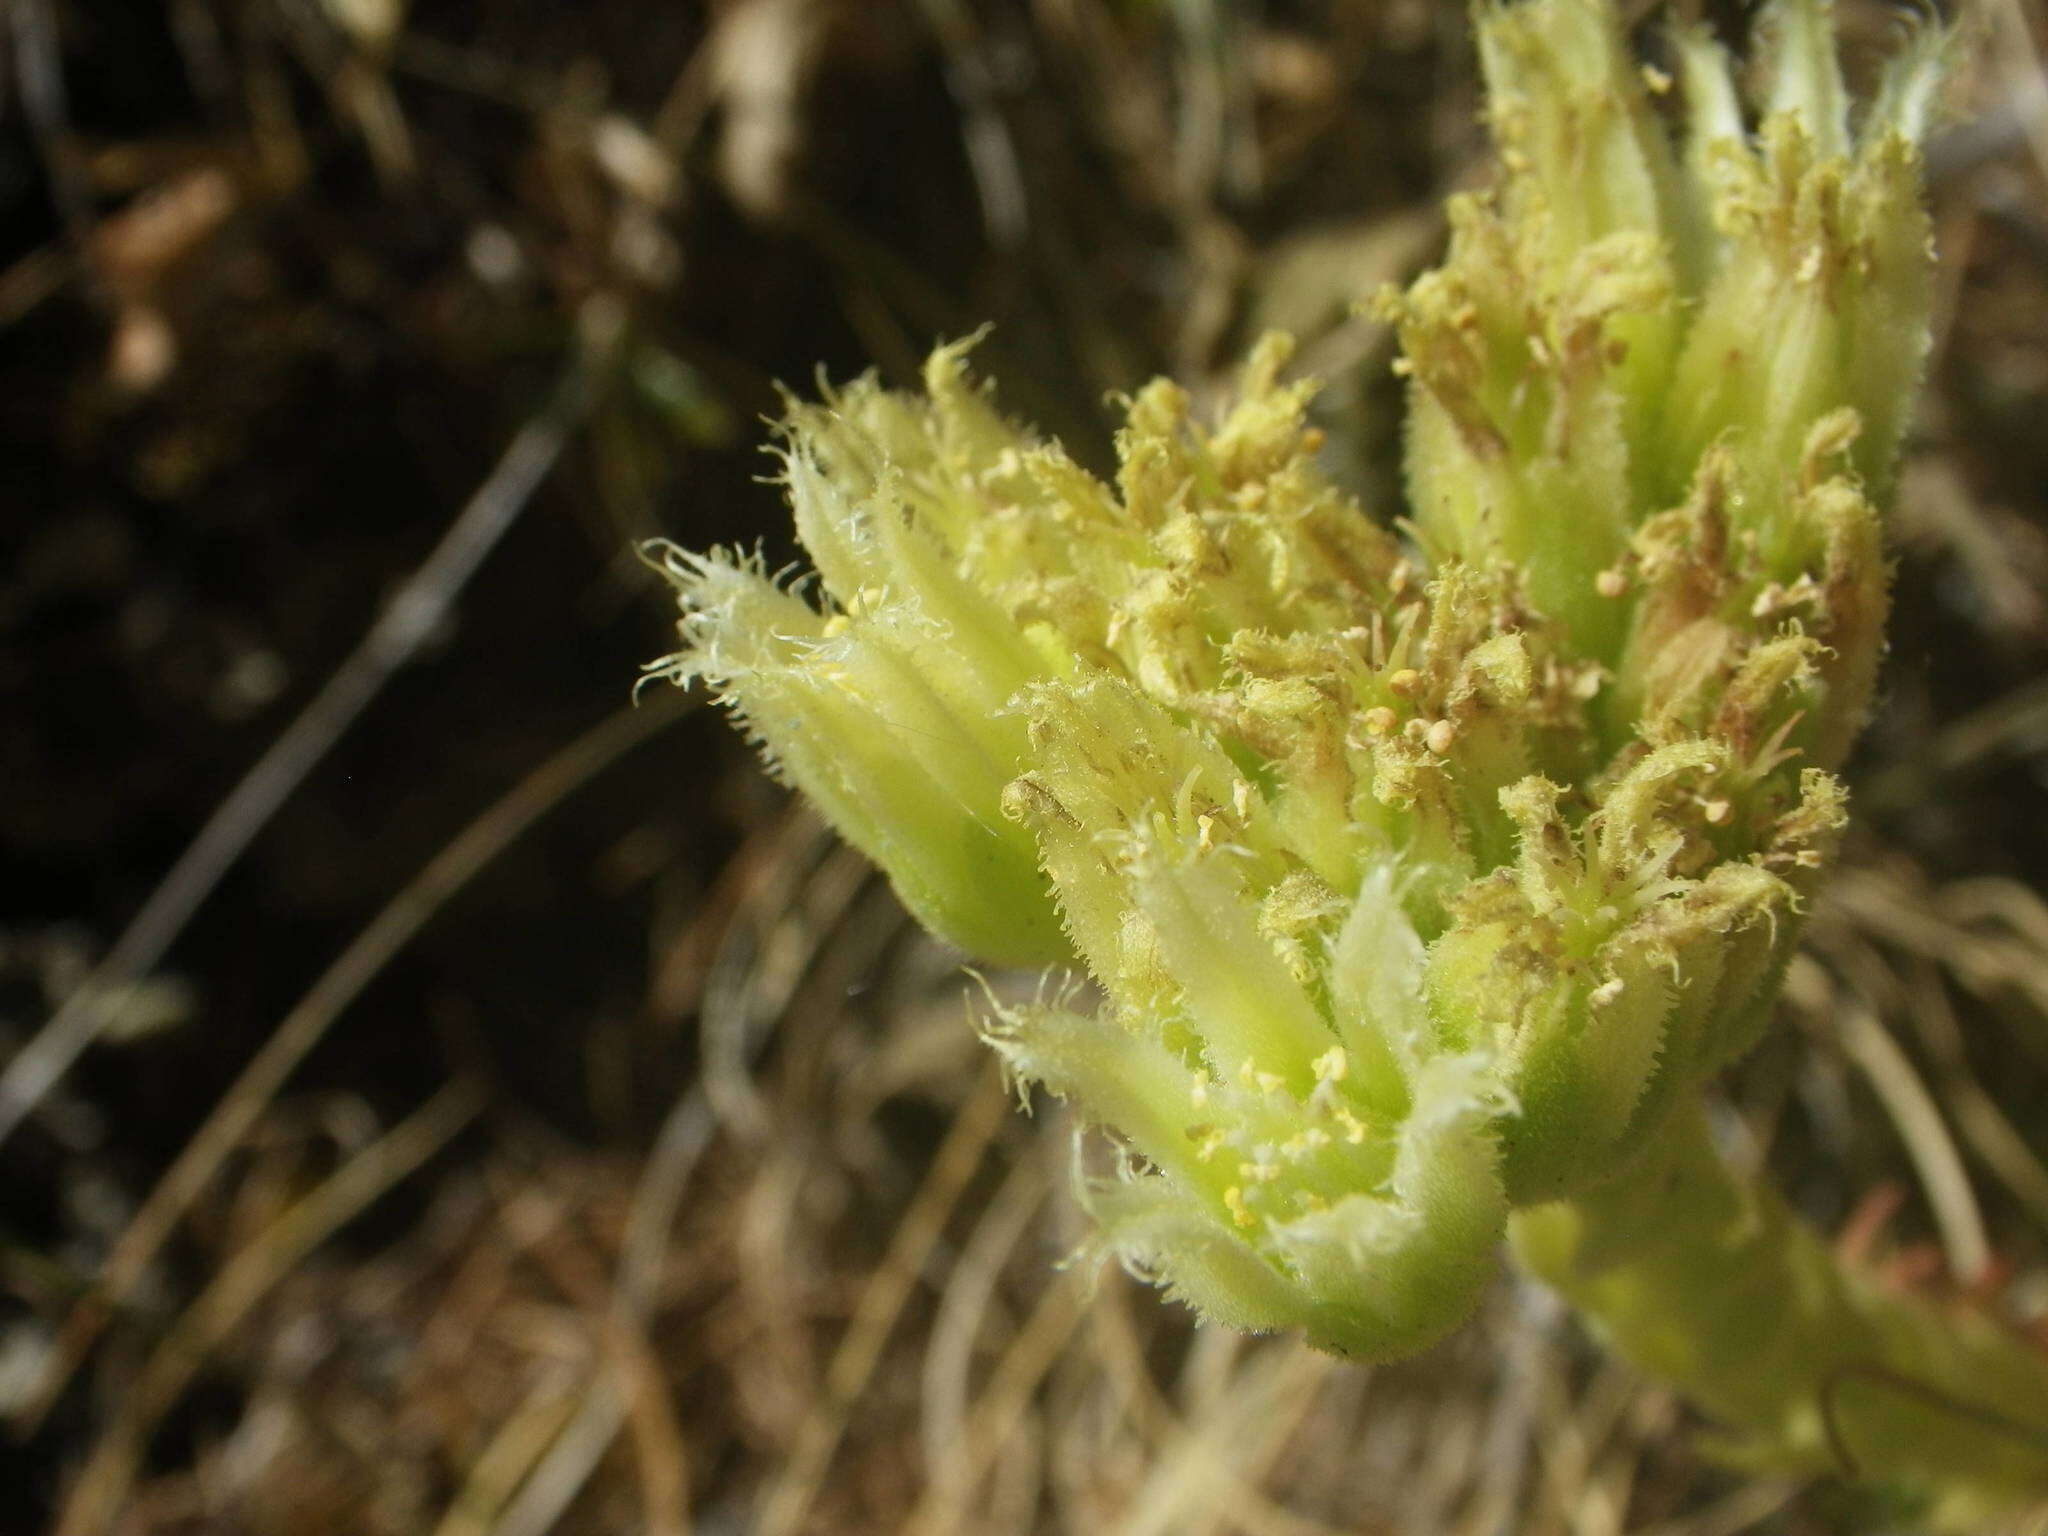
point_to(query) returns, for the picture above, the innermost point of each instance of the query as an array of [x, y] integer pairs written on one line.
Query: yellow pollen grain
[[1380, 720], [1441, 737], [1332, 1066], [1354, 1128], [1233, 1201], [1404, 682], [1610, 583]]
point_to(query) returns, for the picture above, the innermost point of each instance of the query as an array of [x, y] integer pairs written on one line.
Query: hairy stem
[[1704, 1278]]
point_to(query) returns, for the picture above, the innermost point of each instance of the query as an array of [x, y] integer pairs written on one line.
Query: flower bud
[[1419, 884]]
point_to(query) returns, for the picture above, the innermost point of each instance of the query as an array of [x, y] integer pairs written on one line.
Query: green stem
[[1703, 1278]]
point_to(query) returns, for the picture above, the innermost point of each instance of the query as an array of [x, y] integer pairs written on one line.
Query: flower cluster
[[1422, 876]]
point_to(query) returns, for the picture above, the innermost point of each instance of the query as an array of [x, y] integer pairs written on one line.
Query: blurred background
[[516, 1116]]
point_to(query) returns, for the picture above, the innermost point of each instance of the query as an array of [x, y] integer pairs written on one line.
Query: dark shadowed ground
[[639, 1170]]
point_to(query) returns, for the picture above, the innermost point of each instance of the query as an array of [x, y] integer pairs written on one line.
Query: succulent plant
[[1427, 877]]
